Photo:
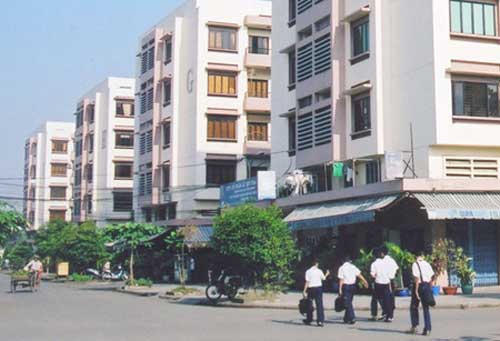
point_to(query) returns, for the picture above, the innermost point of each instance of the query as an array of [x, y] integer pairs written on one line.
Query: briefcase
[[339, 304], [305, 306]]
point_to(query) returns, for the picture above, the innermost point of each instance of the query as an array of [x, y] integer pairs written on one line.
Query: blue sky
[[53, 52]]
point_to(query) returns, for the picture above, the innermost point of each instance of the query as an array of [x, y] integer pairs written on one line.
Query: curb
[[137, 293]]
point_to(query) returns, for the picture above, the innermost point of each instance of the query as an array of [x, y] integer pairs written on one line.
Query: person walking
[[382, 272], [423, 277], [375, 302], [313, 289], [347, 275]]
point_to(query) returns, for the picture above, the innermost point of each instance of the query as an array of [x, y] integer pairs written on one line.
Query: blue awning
[[473, 205], [328, 215]]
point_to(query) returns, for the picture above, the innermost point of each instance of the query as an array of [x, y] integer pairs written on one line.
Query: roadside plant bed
[[137, 283], [80, 278], [259, 295], [183, 291]]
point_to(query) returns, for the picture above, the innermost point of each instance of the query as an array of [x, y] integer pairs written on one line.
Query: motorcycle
[[118, 275], [223, 285]]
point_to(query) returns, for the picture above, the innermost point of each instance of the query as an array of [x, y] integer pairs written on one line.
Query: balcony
[[257, 145], [259, 21], [257, 102], [259, 58]]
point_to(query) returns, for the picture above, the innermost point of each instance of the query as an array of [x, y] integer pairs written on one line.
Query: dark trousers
[[316, 294], [414, 308], [383, 293], [374, 304], [348, 295]]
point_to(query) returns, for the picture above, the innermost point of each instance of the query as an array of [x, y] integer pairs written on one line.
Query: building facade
[[47, 174], [204, 102], [104, 153], [371, 93]]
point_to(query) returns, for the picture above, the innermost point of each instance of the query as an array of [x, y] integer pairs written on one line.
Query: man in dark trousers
[[383, 272], [313, 289], [348, 274]]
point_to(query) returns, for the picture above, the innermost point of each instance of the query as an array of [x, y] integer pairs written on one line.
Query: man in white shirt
[[383, 272], [423, 277], [393, 266], [347, 274], [313, 289], [36, 268]]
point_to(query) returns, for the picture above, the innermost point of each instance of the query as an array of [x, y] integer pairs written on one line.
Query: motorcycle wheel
[[232, 292], [213, 294]]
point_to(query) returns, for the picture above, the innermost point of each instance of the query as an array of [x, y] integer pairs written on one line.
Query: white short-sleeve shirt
[[427, 271], [348, 272], [392, 266], [381, 271], [315, 277]]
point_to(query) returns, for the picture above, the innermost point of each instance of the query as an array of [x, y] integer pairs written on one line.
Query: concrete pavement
[[76, 312]]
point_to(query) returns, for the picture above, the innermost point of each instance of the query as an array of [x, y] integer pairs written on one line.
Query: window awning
[[474, 205], [333, 214]]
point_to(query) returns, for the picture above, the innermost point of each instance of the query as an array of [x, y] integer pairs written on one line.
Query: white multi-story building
[[104, 153], [203, 99], [47, 174], [401, 99]]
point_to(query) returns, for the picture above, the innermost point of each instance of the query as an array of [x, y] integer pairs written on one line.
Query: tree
[[129, 236], [259, 240], [11, 222], [19, 254], [82, 246]]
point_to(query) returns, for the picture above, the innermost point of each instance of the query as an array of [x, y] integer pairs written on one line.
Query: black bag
[[426, 294], [305, 306], [339, 304]]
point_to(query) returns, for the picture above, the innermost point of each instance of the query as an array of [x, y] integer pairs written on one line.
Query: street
[[79, 312]]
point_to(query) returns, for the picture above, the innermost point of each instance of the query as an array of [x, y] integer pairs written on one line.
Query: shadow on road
[[98, 289], [381, 330]]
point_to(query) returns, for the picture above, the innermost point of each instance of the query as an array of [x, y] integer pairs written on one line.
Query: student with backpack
[[313, 289]]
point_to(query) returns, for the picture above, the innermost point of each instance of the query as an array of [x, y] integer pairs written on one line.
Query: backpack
[[305, 306], [339, 304]]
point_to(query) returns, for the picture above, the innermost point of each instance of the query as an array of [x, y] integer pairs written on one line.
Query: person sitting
[[35, 267]]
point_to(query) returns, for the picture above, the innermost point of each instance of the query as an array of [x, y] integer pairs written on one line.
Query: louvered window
[[322, 54], [471, 168], [148, 187], [305, 62], [143, 103], [323, 126], [144, 62], [303, 5], [149, 141], [142, 183], [151, 58], [305, 131], [149, 99], [142, 144]]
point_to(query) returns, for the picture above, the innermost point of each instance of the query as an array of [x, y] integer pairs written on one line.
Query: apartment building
[[104, 153], [47, 174], [392, 107], [204, 103]]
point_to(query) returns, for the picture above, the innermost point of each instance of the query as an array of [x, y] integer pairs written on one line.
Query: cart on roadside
[[27, 280]]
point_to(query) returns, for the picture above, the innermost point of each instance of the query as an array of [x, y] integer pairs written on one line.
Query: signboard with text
[[263, 187]]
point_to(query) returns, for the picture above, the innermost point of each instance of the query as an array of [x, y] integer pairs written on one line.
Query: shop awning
[[474, 205], [333, 214], [201, 236]]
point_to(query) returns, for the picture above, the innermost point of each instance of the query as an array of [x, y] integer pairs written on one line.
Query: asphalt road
[[71, 312]]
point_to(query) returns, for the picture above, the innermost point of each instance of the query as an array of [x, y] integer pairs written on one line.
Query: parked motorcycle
[[223, 285], [118, 275]]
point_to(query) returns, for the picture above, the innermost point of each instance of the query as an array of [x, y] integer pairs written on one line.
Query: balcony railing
[[258, 50], [258, 93]]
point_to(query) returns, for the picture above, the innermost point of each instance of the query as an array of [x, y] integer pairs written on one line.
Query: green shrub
[[80, 278], [141, 282], [19, 254]]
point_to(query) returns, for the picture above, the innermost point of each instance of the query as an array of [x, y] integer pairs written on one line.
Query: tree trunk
[[183, 279], [131, 266]]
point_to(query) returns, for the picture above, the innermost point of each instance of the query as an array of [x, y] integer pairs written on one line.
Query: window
[[322, 23], [292, 141], [220, 172], [372, 172], [291, 70], [476, 99], [90, 143], [124, 139], [166, 178], [222, 38], [255, 170], [166, 135], [57, 215], [58, 169], [305, 33], [147, 214], [148, 185], [125, 108], [78, 148], [463, 167], [221, 83], [88, 200], [59, 147], [305, 62], [473, 17], [257, 131], [58, 193], [258, 88], [168, 50], [144, 62], [360, 36], [258, 45], [305, 102], [78, 176], [151, 58], [33, 172], [146, 142], [361, 113], [303, 5], [143, 103], [292, 12], [322, 54], [323, 126], [142, 182], [122, 201], [149, 99], [79, 118], [90, 113], [221, 127], [123, 170], [167, 92], [90, 172]]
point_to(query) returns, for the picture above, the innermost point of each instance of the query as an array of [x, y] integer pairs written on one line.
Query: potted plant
[[404, 259], [464, 271], [442, 259]]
